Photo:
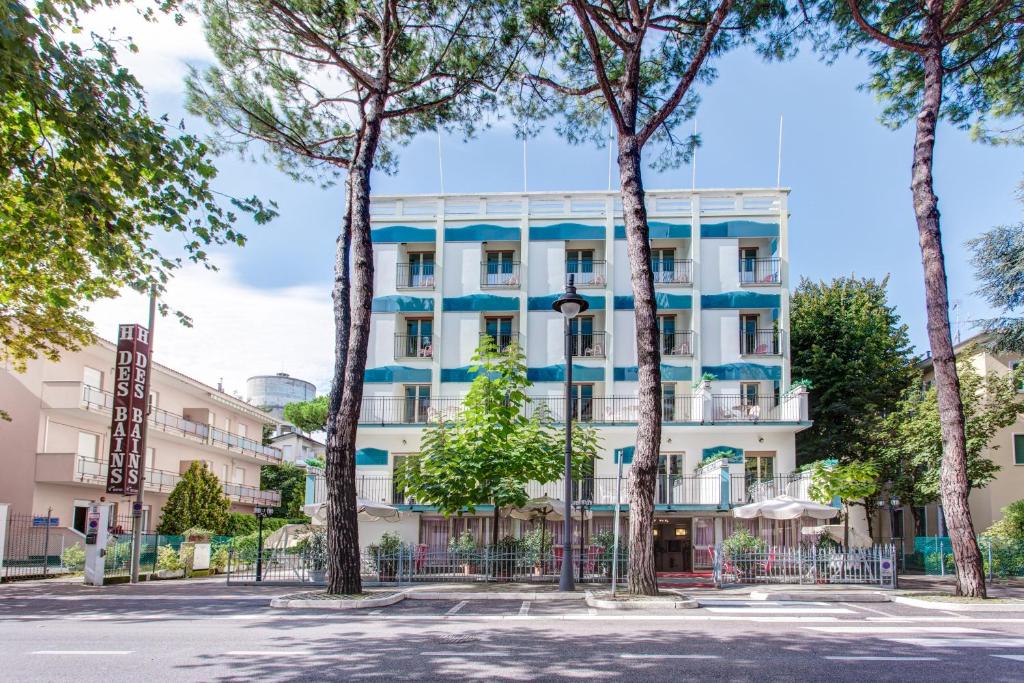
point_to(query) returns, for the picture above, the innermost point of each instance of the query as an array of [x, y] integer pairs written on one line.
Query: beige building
[[54, 450]]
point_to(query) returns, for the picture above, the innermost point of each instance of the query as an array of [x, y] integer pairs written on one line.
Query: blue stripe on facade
[[566, 231], [545, 303], [398, 303], [464, 374], [662, 300], [668, 372], [659, 230], [482, 232], [733, 371], [402, 233], [735, 454], [740, 300], [556, 373], [371, 456], [739, 229], [396, 373], [480, 302]]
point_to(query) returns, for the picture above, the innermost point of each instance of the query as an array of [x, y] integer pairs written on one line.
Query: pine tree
[[197, 500]]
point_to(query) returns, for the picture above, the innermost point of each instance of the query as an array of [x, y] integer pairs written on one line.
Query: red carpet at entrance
[[685, 580]]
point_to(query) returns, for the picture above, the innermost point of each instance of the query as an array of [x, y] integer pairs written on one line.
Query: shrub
[[462, 545], [742, 541], [1011, 527], [167, 558], [197, 500], [531, 543], [73, 558], [240, 524], [219, 559], [315, 550]]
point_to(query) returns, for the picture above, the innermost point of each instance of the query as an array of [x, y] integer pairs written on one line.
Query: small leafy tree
[[998, 259], [290, 480], [196, 501], [309, 416], [492, 449], [1011, 527], [853, 482]]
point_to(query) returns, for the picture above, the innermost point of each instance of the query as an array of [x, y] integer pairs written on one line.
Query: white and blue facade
[[451, 268]]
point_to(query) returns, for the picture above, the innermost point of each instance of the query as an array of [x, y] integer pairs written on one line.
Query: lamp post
[[570, 304], [261, 512], [583, 506]]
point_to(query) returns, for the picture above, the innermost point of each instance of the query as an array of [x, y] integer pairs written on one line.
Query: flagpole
[[137, 508]]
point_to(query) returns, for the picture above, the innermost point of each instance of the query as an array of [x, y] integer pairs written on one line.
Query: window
[[417, 403], [91, 377], [583, 402], [748, 264], [670, 466], [584, 342], [151, 458], [500, 269], [286, 452], [500, 330], [397, 493], [580, 262], [419, 335], [748, 334], [758, 466], [668, 402], [1018, 449], [748, 393], [154, 400], [243, 431], [421, 269], [88, 445], [239, 475], [663, 264]]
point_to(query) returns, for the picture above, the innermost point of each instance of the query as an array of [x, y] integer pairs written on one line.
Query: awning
[[785, 507]]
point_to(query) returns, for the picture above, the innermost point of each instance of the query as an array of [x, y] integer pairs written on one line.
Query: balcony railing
[[503, 339], [677, 343], [750, 489], [677, 272], [746, 408], [176, 424], [416, 276], [502, 275], [759, 342], [414, 346], [94, 471], [588, 345], [760, 271], [586, 273]]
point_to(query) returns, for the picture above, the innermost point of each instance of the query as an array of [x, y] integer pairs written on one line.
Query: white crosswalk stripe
[[881, 630], [754, 611], [1016, 658], [953, 643]]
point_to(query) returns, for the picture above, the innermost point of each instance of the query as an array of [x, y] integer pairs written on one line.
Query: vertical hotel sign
[[128, 421]]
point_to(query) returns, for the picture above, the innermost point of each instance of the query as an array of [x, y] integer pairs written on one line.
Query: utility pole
[[139, 497]]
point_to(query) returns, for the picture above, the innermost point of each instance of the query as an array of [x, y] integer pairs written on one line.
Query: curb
[[683, 602], [339, 604], [532, 597], [959, 606], [820, 596]]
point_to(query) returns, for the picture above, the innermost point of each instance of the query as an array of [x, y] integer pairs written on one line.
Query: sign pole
[[618, 506], [137, 506]]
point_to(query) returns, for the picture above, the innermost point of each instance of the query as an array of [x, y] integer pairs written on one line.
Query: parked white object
[[858, 539], [785, 507]]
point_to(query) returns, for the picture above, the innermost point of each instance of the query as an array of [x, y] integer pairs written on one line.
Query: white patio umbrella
[[543, 508], [858, 539], [785, 507], [367, 510]]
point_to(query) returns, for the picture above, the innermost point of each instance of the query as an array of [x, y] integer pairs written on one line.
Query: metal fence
[[807, 565], [33, 548], [419, 564], [934, 555]]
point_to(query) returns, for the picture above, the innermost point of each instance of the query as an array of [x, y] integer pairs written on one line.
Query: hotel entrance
[[673, 545]]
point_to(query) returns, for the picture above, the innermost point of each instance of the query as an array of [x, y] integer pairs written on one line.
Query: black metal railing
[[677, 343], [749, 488], [759, 342], [677, 272], [744, 408], [586, 273], [500, 275], [414, 346], [588, 345], [416, 276], [503, 339], [760, 271]]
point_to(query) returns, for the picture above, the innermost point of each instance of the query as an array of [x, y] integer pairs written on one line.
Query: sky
[[267, 309]]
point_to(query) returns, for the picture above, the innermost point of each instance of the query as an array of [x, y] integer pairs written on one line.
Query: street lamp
[[569, 305], [261, 512], [583, 506]]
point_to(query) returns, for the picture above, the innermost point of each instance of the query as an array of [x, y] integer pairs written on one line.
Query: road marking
[[960, 642], [83, 652], [867, 658], [1016, 658], [865, 608], [779, 610], [872, 630], [463, 654], [628, 655], [458, 606], [524, 609], [270, 653]]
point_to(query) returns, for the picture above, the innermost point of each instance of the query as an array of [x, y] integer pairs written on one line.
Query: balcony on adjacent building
[[500, 275], [414, 346], [677, 343], [672, 272], [416, 275], [759, 342], [760, 271]]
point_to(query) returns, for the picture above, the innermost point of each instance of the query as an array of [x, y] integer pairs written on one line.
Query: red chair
[[420, 558]]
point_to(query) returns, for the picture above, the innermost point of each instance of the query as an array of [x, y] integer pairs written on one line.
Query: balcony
[[588, 345], [763, 272], [677, 344], [503, 340], [759, 343], [93, 399], [501, 275], [413, 346], [415, 276], [746, 489], [64, 468], [678, 272], [586, 274]]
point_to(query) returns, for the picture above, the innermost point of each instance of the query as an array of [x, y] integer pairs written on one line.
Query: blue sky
[[850, 178]]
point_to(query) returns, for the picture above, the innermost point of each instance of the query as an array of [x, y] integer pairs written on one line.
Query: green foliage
[[508, 545], [491, 450], [911, 452], [196, 501], [198, 532], [998, 260], [742, 541], [290, 480], [1011, 527], [72, 558], [536, 544], [309, 416], [847, 341], [463, 545], [314, 549], [168, 559], [219, 559], [390, 544], [712, 458], [854, 481], [88, 179], [240, 524]]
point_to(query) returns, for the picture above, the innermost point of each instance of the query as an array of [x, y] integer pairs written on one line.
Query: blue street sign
[[45, 521]]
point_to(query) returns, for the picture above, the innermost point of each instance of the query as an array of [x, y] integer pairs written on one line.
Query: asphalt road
[[208, 632]]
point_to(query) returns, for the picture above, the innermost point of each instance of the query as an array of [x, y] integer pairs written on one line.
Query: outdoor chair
[[420, 558], [427, 352]]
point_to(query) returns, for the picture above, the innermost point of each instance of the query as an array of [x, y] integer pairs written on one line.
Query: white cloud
[[165, 49], [238, 331]]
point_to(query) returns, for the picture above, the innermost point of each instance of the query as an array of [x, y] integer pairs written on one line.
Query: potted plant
[[385, 555], [537, 546], [168, 563], [315, 553], [463, 549], [605, 540], [506, 552]]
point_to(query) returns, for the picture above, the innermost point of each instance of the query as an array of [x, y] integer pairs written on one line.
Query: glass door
[[670, 467], [583, 402], [663, 264], [581, 330], [499, 268], [580, 262], [419, 338], [417, 403], [500, 330], [748, 334], [667, 334], [668, 402], [748, 265], [421, 269]]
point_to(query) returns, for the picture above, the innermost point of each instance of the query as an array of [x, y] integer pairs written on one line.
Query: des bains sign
[[128, 419]]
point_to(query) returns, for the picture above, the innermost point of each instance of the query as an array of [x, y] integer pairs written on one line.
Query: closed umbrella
[[785, 507], [858, 539], [366, 509]]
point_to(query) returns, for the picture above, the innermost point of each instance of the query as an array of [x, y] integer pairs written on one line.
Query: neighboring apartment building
[[451, 269], [296, 447], [54, 451]]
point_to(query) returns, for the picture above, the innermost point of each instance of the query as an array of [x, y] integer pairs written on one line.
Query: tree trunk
[[954, 484], [846, 527], [494, 525], [642, 579], [343, 528]]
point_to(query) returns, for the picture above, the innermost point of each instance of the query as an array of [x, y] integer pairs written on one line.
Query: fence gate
[[32, 546]]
